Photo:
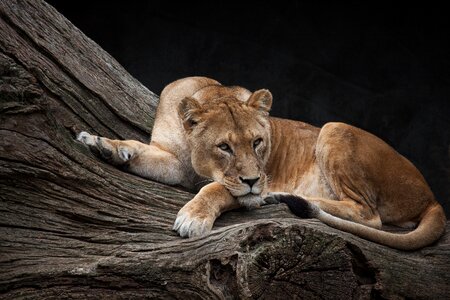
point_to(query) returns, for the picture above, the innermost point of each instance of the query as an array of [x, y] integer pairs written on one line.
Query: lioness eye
[[225, 147], [257, 142]]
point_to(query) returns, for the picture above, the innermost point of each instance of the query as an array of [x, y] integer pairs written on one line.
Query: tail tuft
[[299, 206]]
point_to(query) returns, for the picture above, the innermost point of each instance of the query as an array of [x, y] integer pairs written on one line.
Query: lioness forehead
[[234, 116], [231, 109], [241, 135], [216, 92]]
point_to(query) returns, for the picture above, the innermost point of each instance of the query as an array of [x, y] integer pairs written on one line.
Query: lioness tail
[[429, 230]]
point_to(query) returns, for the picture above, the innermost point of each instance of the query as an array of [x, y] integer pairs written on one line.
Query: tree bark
[[72, 226]]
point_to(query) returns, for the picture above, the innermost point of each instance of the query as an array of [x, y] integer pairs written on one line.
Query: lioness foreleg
[[197, 217], [141, 159]]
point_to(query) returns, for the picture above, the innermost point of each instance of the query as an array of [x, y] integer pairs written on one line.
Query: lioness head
[[230, 139]]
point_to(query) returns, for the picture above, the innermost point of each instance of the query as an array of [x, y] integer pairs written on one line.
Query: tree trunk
[[72, 226]]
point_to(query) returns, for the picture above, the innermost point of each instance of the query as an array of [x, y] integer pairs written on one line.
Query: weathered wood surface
[[72, 226]]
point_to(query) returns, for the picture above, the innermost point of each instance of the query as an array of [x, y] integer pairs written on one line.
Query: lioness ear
[[189, 111], [261, 100]]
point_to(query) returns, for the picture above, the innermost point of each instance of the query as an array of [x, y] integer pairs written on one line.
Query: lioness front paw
[[251, 201], [188, 224], [86, 138], [96, 145], [112, 151]]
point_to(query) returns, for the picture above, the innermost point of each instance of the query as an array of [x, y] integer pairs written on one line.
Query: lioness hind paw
[[251, 201], [274, 197]]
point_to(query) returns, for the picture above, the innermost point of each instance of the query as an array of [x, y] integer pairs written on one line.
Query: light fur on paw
[[274, 197], [188, 225], [124, 154], [86, 138], [251, 201]]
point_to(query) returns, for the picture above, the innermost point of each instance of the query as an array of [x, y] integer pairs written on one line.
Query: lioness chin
[[223, 136]]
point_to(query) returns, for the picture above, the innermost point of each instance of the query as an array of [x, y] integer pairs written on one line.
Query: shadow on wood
[[72, 226]]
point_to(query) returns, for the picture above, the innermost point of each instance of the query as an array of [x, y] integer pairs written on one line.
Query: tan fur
[[205, 132]]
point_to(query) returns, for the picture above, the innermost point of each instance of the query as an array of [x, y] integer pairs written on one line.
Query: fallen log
[[72, 226]]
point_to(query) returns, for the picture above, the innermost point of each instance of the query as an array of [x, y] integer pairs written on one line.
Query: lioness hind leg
[[141, 159], [345, 155]]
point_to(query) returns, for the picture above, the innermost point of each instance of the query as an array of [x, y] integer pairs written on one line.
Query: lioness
[[222, 140]]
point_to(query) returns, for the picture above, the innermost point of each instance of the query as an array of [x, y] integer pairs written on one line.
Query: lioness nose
[[249, 181]]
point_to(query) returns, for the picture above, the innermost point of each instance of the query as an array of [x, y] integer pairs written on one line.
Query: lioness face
[[230, 140]]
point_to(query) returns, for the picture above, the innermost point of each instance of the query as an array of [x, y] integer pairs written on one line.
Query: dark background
[[382, 68]]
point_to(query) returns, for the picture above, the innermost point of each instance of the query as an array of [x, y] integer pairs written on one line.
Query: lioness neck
[[292, 153]]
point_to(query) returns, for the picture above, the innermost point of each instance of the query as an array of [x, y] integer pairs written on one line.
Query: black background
[[382, 68]]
